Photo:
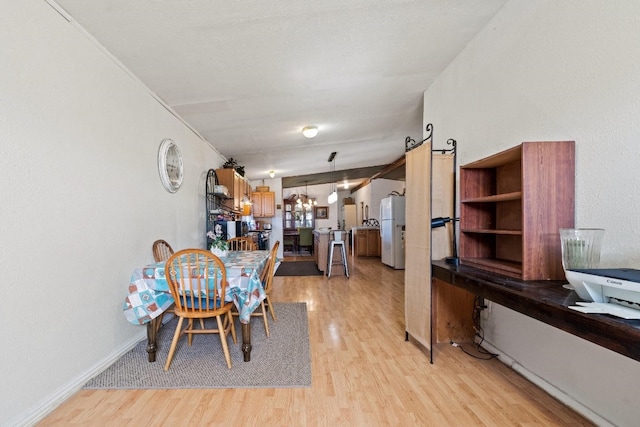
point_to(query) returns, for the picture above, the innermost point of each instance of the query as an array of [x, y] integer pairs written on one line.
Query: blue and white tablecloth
[[149, 294]]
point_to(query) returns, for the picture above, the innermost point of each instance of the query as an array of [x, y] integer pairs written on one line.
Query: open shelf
[[512, 206], [219, 195], [515, 195], [496, 265], [490, 231]]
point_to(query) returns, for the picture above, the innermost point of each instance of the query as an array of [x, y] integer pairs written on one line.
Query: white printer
[[614, 291]]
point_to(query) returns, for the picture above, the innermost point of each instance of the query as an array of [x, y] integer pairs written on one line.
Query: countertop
[[361, 227], [327, 231]]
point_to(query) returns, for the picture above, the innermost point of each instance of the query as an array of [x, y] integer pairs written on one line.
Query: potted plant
[[232, 164], [219, 246]]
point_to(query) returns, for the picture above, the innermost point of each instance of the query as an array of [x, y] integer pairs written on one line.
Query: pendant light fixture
[[306, 201], [333, 197]]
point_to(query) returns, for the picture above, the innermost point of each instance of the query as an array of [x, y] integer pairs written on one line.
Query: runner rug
[[298, 268], [281, 361]]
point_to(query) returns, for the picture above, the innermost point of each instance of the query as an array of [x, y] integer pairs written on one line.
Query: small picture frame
[[322, 212]]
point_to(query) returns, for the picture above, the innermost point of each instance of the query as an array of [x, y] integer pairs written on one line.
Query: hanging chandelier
[[333, 197], [305, 201]]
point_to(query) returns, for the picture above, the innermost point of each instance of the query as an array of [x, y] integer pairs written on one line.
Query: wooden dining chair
[[241, 244], [198, 282], [289, 243], [305, 239], [266, 277], [161, 250], [267, 283]]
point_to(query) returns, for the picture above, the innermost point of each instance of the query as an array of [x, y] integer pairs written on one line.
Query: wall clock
[[170, 165]]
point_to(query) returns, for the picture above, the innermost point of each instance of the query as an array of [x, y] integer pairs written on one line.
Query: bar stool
[[335, 242]]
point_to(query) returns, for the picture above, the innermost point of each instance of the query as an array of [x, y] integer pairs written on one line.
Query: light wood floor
[[364, 374]]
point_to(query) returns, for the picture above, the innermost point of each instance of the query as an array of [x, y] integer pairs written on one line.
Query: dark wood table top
[[546, 301]]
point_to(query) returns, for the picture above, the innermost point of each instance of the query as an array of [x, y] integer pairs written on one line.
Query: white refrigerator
[[391, 224]]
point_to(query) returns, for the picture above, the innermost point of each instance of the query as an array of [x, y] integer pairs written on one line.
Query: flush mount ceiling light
[[310, 131], [272, 174]]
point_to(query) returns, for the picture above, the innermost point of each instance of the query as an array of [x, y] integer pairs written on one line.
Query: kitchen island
[[321, 238]]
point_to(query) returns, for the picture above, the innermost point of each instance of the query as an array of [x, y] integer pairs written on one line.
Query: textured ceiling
[[249, 75]]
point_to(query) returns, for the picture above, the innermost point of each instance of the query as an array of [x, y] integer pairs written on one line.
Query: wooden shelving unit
[[214, 203], [512, 205]]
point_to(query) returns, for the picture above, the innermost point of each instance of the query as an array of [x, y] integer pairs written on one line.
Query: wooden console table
[[544, 300]]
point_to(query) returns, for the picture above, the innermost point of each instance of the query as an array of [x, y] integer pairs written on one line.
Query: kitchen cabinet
[[264, 204], [361, 243], [237, 186], [238, 192], [367, 242], [512, 205], [247, 189]]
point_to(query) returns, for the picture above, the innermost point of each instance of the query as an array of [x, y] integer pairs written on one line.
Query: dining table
[[149, 296]]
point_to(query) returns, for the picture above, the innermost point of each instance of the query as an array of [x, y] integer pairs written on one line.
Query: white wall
[[559, 70], [81, 204], [372, 194]]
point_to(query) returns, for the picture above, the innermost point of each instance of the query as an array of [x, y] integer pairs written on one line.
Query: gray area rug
[[298, 268], [283, 360]]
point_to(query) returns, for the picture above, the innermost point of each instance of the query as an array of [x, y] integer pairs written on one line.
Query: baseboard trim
[[48, 405], [548, 387]]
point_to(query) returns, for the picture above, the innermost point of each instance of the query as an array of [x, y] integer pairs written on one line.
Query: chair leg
[[232, 327], [158, 323], [273, 314], [330, 259], [345, 261], [223, 341], [172, 349], [189, 328], [264, 318]]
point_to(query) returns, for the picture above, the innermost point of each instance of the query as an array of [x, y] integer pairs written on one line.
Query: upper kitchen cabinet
[[264, 204], [239, 189], [512, 207], [247, 189]]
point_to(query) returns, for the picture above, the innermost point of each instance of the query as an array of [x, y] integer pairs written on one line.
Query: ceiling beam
[[327, 178], [400, 162]]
